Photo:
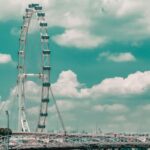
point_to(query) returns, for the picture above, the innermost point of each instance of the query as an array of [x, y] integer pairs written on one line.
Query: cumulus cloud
[[135, 84], [6, 105], [120, 118], [3, 105], [90, 22], [68, 86], [111, 108], [118, 57], [76, 100], [14, 10], [145, 107], [129, 7], [127, 20], [5, 58], [64, 105], [79, 39], [32, 90]]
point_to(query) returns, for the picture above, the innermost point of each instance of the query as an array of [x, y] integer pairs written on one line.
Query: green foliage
[[5, 131]]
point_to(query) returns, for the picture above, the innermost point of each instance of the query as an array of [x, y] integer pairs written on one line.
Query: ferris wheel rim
[[45, 74]]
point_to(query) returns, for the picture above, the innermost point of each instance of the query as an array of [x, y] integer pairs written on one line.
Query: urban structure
[[25, 138]]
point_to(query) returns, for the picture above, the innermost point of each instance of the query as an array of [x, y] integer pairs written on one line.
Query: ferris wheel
[[33, 11]]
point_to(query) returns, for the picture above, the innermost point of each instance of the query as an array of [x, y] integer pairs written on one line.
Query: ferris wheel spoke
[[31, 75]]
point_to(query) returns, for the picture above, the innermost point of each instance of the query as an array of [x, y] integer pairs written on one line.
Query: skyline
[[100, 63]]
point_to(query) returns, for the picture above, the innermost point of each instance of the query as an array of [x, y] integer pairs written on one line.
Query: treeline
[[5, 132]]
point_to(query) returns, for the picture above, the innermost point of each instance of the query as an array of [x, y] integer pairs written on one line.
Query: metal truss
[[76, 141]]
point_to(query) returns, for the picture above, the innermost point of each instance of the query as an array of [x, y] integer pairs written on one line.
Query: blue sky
[[100, 63]]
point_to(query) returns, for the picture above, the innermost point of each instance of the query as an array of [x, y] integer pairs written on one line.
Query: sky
[[100, 64]]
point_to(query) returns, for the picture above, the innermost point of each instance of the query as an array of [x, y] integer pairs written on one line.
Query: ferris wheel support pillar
[[22, 121], [19, 110]]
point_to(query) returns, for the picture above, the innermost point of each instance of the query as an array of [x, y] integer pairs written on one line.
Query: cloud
[[145, 107], [91, 22], [14, 10], [3, 105], [120, 118], [135, 84], [6, 105], [76, 102], [67, 86], [118, 57], [128, 20], [111, 108], [129, 7], [78, 39], [64, 105], [5, 58], [32, 90]]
